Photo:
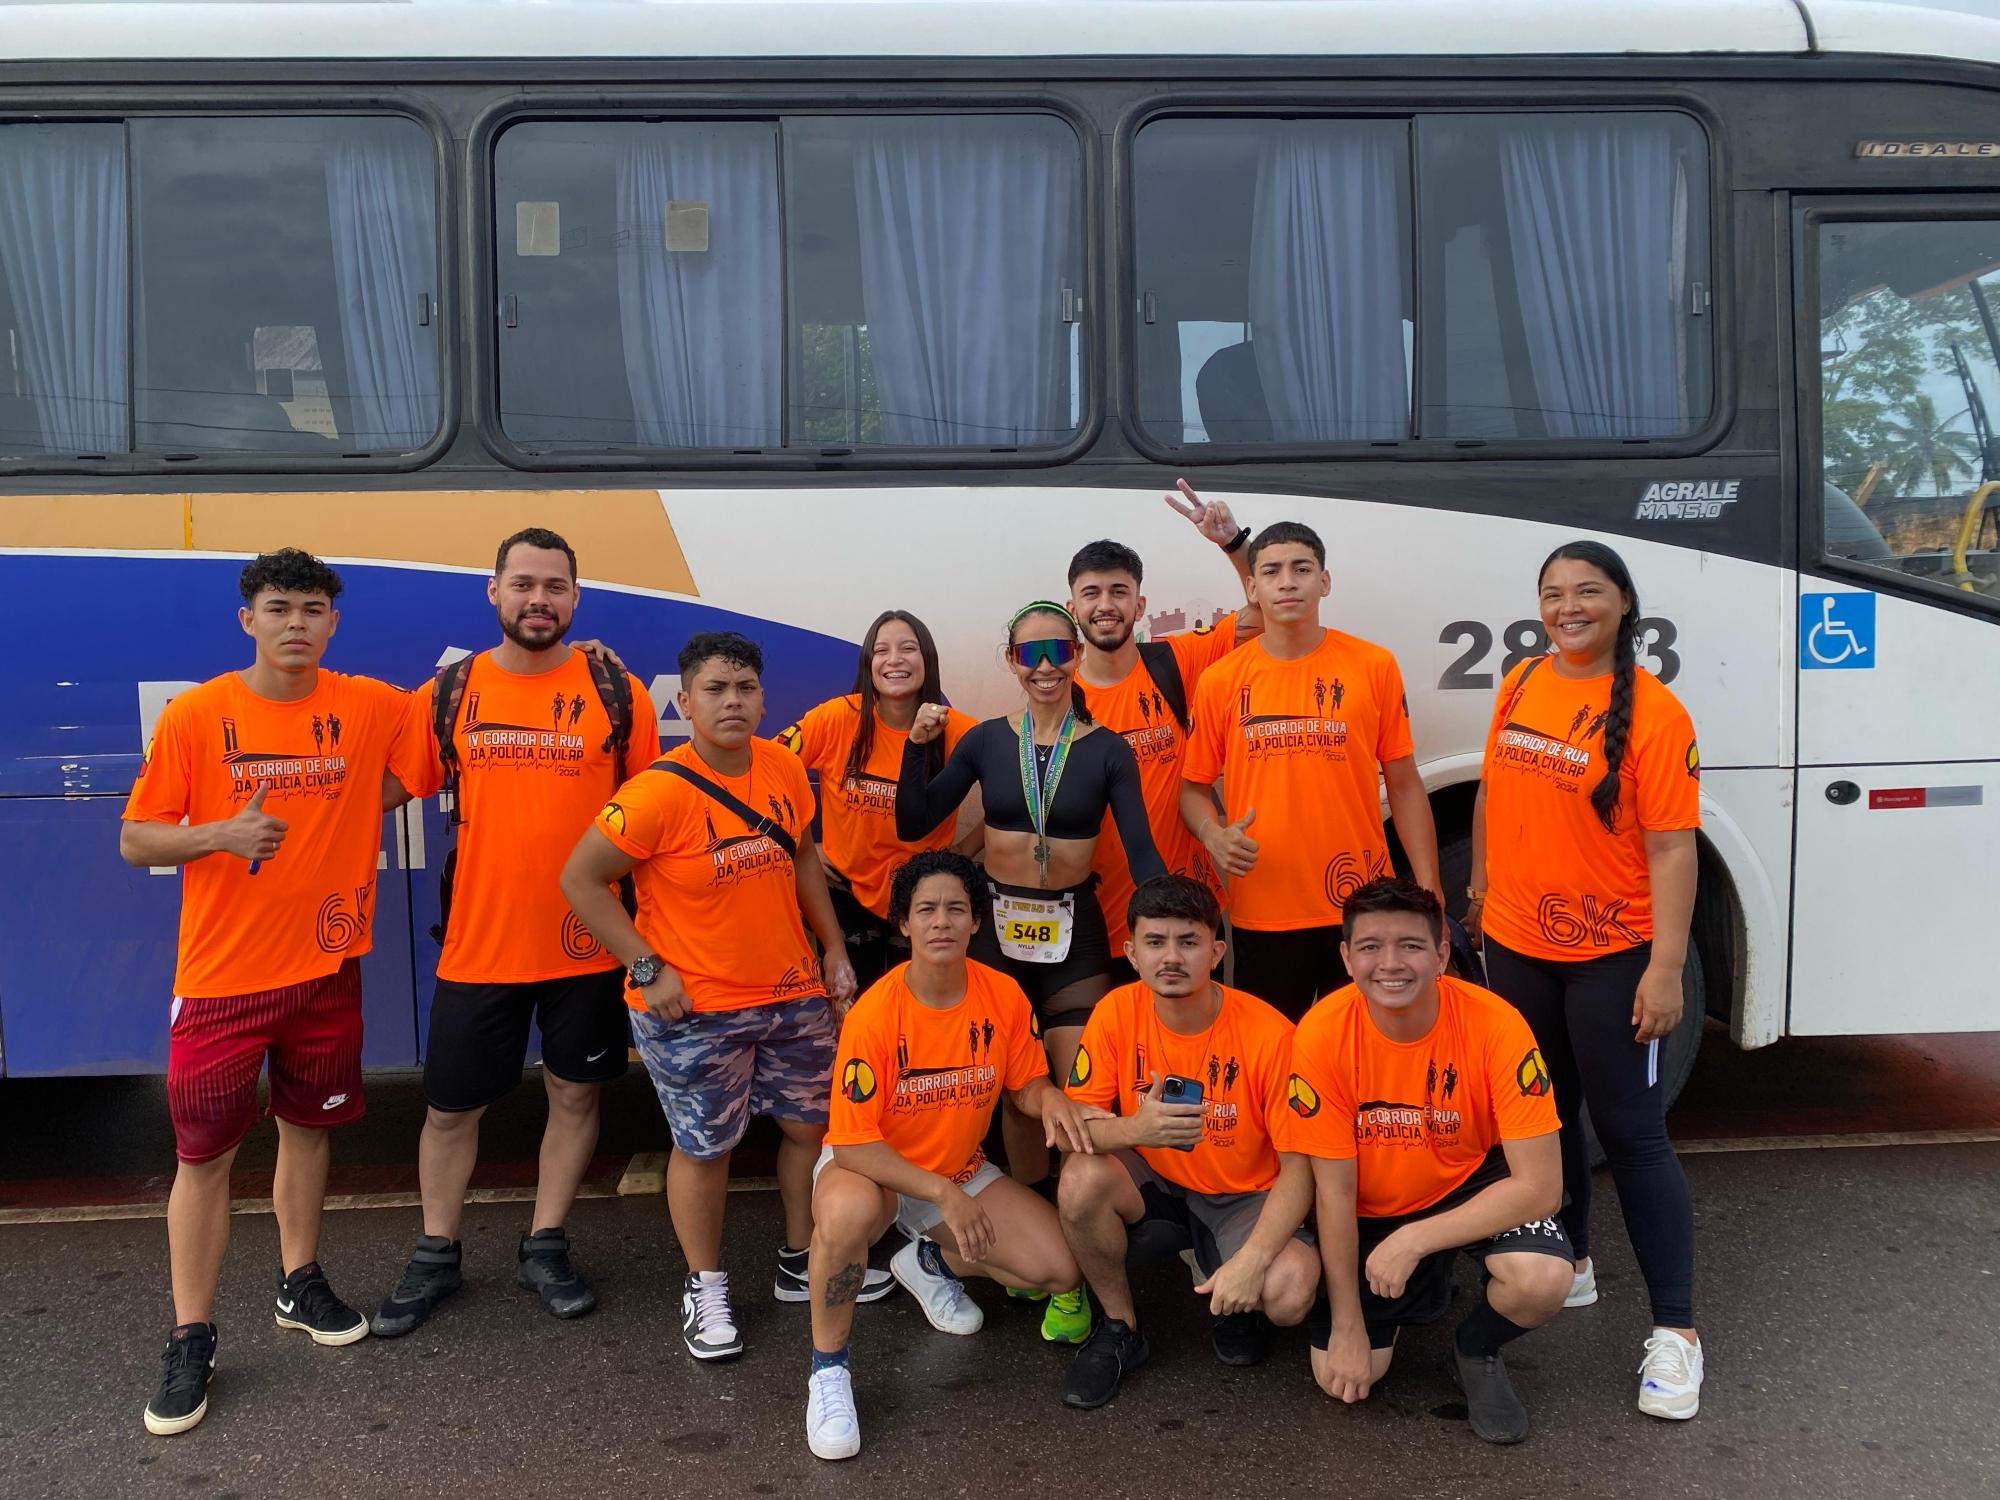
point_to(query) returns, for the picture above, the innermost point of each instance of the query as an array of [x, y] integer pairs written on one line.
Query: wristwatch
[[1235, 543], [645, 970]]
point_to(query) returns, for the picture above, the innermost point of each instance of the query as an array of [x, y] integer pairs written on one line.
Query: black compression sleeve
[[922, 804], [1128, 811]]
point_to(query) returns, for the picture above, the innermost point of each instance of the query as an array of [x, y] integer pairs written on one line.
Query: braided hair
[[1624, 664]]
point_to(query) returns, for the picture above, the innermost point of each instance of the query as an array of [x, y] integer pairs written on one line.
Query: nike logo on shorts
[[334, 1103]]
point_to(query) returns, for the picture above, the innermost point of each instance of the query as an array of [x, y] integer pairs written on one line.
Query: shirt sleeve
[[1317, 1117], [413, 752], [957, 725], [1198, 650], [645, 746], [1392, 740], [164, 789], [635, 817], [1201, 761], [1093, 1077], [863, 1083], [1026, 1061], [1668, 766], [1524, 1099], [811, 739]]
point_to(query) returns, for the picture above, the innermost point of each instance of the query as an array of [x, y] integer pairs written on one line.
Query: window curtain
[[382, 209], [966, 228], [63, 237], [703, 329], [1591, 213], [1327, 254]]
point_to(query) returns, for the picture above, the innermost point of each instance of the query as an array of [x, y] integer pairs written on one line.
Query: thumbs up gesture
[[1230, 845], [252, 834]]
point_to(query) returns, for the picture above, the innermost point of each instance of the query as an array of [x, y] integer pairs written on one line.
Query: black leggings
[[871, 947], [1581, 1014]]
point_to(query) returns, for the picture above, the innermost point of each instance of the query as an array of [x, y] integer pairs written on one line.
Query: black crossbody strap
[[774, 831], [1520, 685]]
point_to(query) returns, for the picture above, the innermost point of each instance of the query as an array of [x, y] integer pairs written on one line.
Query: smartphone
[[1174, 1089]]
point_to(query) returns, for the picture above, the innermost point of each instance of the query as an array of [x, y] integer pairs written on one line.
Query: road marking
[[1978, 1136]]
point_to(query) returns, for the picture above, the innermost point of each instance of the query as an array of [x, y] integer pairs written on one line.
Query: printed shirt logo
[[322, 774], [1305, 732], [857, 1081], [613, 817], [1563, 760], [1694, 760], [971, 1084], [1531, 1076], [1302, 1097], [1079, 1071], [494, 745]]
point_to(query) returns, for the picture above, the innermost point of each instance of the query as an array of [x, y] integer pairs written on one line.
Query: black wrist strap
[[1235, 543]]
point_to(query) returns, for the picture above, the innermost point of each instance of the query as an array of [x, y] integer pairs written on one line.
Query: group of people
[[1320, 1136]]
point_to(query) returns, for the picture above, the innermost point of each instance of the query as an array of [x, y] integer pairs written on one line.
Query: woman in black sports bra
[[1044, 810]]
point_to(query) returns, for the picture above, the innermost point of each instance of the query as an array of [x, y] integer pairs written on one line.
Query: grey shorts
[[713, 1070], [1216, 1224], [917, 1217]]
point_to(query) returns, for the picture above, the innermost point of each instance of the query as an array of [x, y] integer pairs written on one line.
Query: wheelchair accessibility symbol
[[1836, 632]]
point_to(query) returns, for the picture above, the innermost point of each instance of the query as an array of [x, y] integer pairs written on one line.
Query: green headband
[[1048, 604]]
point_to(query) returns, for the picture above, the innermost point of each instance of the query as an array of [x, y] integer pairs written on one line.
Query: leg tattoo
[[844, 1285]]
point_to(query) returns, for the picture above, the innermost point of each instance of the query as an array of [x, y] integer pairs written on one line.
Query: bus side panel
[[1746, 818]]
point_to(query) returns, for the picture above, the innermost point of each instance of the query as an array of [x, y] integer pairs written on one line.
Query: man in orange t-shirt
[[1304, 727], [1431, 1127], [729, 1008], [1202, 1172], [1123, 685], [531, 738], [267, 786]]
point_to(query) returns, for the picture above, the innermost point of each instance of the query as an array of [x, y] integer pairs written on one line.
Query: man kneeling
[[1205, 1169], [923, 1058], [1427, 1113]]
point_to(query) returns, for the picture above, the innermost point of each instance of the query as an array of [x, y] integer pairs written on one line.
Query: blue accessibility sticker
[[1836, 632]]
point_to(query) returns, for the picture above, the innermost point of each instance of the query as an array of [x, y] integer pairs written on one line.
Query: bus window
[[1273, 265], [285, 292], [936, 276], [1909, 394], [1565, 270], [641, 286], [62, 291]]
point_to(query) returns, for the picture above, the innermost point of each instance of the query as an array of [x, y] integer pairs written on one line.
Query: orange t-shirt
[[857, 814], [1558, 885], [1303, 743], [533, 771], [924, 1081], [1420, 1116], [718, 900], [1135, 708], [311, 906], [1242, 1062]]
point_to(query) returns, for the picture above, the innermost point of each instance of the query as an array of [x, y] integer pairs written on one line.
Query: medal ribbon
[[1039, 792]]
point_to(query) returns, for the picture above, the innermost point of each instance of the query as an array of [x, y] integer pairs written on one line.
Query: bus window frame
[[1350, 99], [774, 105], [1808, 213], [122, 106]]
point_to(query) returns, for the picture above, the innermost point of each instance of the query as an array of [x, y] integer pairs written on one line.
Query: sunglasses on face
[[1059, 652]]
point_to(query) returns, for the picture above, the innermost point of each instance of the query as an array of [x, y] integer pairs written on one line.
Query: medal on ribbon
[[1038, 789]]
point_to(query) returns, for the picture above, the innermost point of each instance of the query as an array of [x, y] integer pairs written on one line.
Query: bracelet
[[1235, 543], [1474, 893]]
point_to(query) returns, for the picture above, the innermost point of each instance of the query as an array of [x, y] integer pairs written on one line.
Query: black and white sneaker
[[794, 1283], [306, 1302], [431, 1276], [708, 1327], [186, 1367], [545, 1267]]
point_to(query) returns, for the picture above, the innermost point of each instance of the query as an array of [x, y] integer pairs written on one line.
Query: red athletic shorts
[[217, 1044]]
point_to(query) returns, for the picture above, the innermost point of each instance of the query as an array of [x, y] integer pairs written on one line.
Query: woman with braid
[[1583, 880]]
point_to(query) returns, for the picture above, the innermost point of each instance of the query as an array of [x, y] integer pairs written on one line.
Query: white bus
[[786, 313]]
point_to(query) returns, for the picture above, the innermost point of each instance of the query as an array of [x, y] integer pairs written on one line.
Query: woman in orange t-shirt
[[854, 745], [1583, 880]]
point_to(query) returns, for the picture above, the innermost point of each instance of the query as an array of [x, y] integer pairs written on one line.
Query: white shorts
[[917, 1217]]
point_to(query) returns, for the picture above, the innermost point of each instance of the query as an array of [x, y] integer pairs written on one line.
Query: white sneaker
[[1582, 1286], [708, 1327], [920, 1267], [833, 1429], [1670, 1377]]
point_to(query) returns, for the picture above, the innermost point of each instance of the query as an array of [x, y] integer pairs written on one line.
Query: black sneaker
[[1240, 1338], [1114, 1350], [1495, 1412], [546, 1268], [186, 1368], [306, 1302], [794, 1280], [431, 1276]]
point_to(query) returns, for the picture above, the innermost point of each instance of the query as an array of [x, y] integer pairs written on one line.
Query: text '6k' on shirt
[[1303, 743], [924, 1081], [717, 899], [533, 771], [311, 906], [1558, 886]]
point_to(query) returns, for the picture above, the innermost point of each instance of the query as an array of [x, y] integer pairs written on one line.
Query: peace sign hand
[[1212, 518]]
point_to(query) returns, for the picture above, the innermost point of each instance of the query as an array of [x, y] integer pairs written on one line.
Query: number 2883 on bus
[[1525, 638]]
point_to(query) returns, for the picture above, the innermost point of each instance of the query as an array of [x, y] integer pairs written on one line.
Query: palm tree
[[1926, 446]]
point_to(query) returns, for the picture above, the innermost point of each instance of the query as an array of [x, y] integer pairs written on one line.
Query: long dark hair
[[1047, 607], [864, 687], [1624, 663]]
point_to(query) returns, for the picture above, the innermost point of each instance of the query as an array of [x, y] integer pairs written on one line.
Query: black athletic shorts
[[1089, 955], [1288, 970], [479, 1035], [872, 947]]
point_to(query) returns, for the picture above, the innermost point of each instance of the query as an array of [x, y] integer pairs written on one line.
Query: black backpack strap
[[614, 691], [447, 696], [1520, 683], [777, 833], [1165, 669]]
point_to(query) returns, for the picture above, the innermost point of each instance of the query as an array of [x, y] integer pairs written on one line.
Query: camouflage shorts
[[713, 1070]]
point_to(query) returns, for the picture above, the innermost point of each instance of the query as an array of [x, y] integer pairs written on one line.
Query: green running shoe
[[1066, 1320], [1027, 1294]]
